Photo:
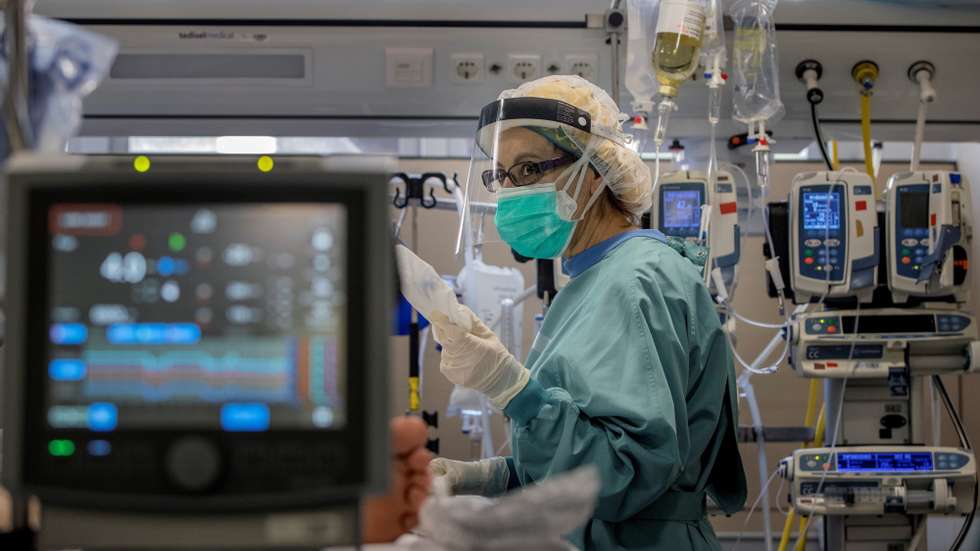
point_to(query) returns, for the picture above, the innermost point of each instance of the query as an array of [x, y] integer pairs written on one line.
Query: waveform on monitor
[[187, 375]]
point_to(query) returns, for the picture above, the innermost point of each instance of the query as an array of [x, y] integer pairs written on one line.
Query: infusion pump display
[[225, 317], [680, 208], [876, 480]]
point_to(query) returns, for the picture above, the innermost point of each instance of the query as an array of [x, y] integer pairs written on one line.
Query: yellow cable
[[808, 420], [835, 156], [811, 404], [866, 134], [818, 434], [787, 530], [804, 528]]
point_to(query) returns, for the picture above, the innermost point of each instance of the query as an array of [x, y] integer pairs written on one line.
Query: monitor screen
[[682, 209], [913, 208], [226, 317], [822, 210], [884, 462]]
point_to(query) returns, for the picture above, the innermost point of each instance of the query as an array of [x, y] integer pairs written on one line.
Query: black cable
[[966, 444], [819, 136], [953, 414]]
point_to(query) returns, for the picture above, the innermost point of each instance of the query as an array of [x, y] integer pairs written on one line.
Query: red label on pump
[[861, 205], [728, 208]]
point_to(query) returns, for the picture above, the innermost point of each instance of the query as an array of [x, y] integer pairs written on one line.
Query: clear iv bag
[[641, 32], [755, 65], [714, 53]]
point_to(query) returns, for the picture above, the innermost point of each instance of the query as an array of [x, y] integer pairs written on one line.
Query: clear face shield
[[535, 171]]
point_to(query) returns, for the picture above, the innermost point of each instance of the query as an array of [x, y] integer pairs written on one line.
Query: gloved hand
[[477, 359], [486, 477]]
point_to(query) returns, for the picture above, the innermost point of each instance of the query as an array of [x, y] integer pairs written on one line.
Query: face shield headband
[[567, 127]]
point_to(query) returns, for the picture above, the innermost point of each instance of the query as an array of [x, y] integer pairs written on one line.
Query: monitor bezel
[[356, 185]]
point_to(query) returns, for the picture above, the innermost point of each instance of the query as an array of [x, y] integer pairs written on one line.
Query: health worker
[[631, 371]]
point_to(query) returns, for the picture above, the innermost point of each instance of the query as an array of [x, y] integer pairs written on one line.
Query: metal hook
[[432, 195], [397, 201]]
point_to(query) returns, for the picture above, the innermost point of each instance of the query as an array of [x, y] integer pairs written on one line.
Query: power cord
[[809, 72], [967, 445], [818, 134]]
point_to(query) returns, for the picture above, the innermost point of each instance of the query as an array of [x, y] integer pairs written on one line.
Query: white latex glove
[[486, 477], [477, 359]]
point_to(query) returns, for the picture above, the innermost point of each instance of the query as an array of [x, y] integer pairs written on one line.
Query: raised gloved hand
[[477, 359], [486, 477]]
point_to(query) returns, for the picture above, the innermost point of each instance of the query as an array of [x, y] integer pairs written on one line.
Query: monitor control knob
[[193, 463]]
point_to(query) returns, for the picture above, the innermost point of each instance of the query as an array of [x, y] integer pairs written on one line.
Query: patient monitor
[[197, 349]]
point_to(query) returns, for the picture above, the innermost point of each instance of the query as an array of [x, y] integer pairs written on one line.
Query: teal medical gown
[[631, 372]]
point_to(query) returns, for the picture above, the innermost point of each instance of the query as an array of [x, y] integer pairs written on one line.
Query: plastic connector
[[772, 266], [720, 289], [786, 468], [809, 73], [865, 73], [922, 73]]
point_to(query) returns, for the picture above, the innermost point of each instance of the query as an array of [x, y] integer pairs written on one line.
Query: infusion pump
[[833, 235], [872, 344], [930, 227], [679, 211], [876, 480]]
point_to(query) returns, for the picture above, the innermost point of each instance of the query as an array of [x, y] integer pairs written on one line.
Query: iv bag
[[65, 63], [713, 50], [426, 291], [484, 287], [677, 49], [641, 33], [755, 65]]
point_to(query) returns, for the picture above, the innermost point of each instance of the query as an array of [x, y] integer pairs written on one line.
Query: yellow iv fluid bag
[[680, 30]]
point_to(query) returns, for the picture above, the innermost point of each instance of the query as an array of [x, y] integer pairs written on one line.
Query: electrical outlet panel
[[583, 65], [524, 67], [467, 67]]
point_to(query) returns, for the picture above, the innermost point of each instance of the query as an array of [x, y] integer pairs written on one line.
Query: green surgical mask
[[527, 219]]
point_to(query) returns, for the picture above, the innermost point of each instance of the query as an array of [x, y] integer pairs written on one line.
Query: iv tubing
[[805, 525], [809, 419], [835, 156], [663, 119], [866, 135], [748, 517]]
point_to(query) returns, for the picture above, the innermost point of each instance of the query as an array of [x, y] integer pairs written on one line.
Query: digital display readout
[[221, 316], [884, 462], [822, 210], [682, 209]]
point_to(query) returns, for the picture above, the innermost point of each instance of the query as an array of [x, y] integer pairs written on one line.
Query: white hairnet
[[622, 169]]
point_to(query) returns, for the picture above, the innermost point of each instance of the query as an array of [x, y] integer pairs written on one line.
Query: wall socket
[[467, 67], [524, 67], [583, 65]]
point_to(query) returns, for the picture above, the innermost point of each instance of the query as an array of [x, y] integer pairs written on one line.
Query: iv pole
[[16, 116], [20, 136]]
